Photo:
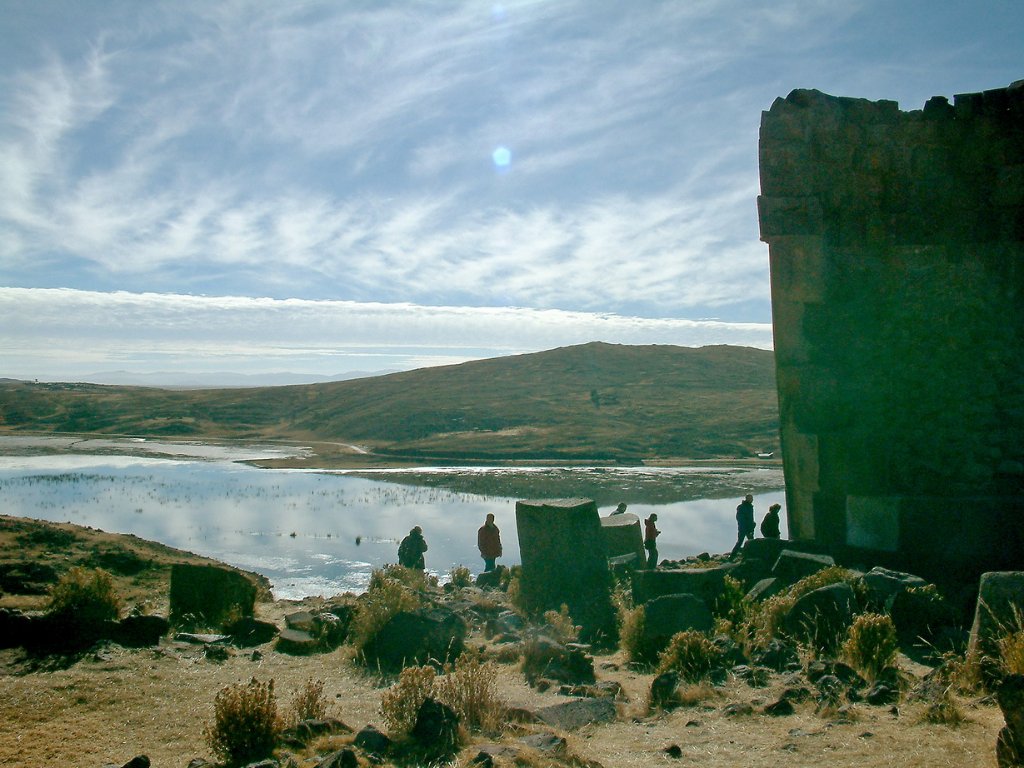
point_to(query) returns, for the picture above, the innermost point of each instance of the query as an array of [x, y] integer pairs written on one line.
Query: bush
[[402, 701], [246, 722], [308, 703], [561, 626], [87, 595], [471, 689], [385, 597], [460, 577], [732, 603], [690, 654], [871, 644]]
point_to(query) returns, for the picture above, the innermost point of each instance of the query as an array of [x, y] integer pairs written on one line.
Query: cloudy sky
[[361, 185]]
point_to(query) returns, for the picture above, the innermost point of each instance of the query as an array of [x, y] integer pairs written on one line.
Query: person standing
[[651, 534], [410, 551], [770, 524], [488, 541], [745, 526]]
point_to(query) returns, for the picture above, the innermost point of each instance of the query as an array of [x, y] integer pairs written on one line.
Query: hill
[[597, 401]]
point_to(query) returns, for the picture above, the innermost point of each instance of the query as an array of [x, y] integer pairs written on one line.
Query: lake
[[321, 532]]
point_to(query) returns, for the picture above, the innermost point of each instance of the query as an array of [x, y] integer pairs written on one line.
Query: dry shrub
[[871, 644], [691, 654], [402, 701], [944, 710], [1011, 648], [246, 723], [732, 603], [560, 623], [460, 577], [694, 694], [308, 703], [631, 633], [470, 687], [85, 594], [763, 621], [385, 597]]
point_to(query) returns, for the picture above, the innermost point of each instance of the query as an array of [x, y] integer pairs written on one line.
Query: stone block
[[705, 583], [793, 566], [210, 592], [623, 536], [565, 561], [1000, 609], [782, 216], [873, 522]]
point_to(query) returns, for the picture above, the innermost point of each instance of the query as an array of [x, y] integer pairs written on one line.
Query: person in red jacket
[[651, 533], [488, 540]]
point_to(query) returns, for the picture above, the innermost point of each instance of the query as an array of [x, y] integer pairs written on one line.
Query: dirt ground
[[115, 703]]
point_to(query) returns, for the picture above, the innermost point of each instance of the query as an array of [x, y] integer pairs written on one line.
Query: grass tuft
[[246, 722], [871, 644]]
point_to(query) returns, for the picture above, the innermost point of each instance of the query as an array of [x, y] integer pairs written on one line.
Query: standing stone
[[565, 561], [1010, 742], [210, 592], [622, 536], [1000, 609]]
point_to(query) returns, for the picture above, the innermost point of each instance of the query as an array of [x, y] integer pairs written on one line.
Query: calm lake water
[[323, 532]]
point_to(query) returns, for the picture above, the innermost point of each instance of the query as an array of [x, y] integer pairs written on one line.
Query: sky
[[358, 186]]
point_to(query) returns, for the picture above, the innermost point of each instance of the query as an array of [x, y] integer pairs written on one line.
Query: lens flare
[[502, 157]]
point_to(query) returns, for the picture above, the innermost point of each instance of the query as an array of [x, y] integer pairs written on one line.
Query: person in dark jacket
[[410, 551], [770, 524], [651, 534], [488, 541], [745, 525]]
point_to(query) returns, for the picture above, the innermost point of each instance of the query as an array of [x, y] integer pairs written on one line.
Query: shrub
[[471, 689], [871, 644], [561, 626], [631, 634], [402, 701], [246, 722], [460, 577], [691, 654], [732, 603], [308, 703], [1010, 644], [85, 594], [385, 597]]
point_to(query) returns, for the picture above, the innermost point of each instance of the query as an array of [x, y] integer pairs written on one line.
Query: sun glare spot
[[502, 157]]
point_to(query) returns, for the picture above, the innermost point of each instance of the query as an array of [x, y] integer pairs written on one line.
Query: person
[[744, 524], [488, 540], [620, 510], [770, 524], [651, 533], [410, 551]]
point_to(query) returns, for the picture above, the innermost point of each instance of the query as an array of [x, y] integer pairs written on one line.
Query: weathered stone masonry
[[896, 244]]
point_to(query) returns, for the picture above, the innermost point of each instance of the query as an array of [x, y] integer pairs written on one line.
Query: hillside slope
[[592, 401]]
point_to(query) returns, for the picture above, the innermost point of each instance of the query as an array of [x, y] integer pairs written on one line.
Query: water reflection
[[324, 532]]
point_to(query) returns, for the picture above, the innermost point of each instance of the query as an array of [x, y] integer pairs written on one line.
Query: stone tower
[[896, 244]]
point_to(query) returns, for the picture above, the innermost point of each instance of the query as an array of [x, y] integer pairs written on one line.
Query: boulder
[[663, 689], [665, 616], [372, 741], [882, 585], [571, 715], [343, 758], [544, 658], [436, 728], [921, 616], [249, 632], [766, 588], [491, 579], [821, 616], [565, 561], [306, 731], [1010, 742], [778, 655], [416, 637], [209, 593], [791, 566], [548, 743]]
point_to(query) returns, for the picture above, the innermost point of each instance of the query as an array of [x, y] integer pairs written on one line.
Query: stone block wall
[[896, 243]]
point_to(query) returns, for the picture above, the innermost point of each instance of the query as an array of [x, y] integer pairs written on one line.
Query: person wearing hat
[[770, 524], [745, 525], [410, 551], [651, 534]]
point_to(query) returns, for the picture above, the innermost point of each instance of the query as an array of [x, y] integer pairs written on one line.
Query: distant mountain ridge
[[593, 401]]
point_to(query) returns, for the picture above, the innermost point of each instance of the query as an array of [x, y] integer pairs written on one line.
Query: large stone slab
[[565, 561], [210, 593], [1000, 609], [705, 583], [623, 536]]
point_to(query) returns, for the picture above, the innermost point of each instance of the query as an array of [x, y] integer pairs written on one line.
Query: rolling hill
[[597, 401]]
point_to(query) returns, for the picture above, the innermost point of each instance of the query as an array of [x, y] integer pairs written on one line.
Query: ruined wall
[[896, 244]]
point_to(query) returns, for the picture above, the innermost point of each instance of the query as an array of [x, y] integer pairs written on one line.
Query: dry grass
[[108, 709]]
